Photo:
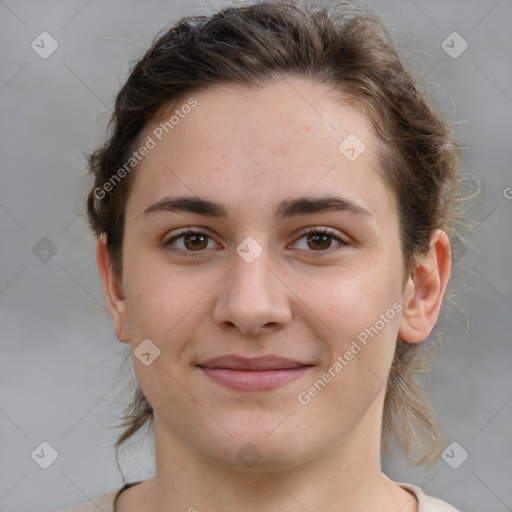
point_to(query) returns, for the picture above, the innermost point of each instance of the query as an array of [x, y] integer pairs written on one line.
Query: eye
[[320, 239], [190, 242]]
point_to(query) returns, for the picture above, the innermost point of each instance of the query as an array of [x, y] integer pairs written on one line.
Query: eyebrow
[[287, 208]]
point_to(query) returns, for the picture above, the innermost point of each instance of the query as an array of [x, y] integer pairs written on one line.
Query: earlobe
[[113, 290], [425, 289]]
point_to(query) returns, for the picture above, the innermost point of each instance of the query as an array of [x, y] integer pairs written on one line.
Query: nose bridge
[[251, 276]]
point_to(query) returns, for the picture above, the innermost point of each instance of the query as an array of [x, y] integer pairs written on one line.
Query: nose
[[252, 297]]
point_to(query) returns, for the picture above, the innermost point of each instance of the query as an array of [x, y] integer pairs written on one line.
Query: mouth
[[253, 374]]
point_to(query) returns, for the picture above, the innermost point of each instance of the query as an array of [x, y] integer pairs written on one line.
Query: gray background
[[60, 373]]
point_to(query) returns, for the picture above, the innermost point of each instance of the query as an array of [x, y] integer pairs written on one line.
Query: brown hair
[[346, 47]]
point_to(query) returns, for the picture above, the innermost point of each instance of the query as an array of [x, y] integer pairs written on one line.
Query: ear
[[425, 289], [113, 290]]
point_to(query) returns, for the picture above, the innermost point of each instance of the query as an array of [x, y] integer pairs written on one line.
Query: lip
[[253, 374]]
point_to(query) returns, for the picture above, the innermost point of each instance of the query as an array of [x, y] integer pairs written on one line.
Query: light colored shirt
[[106, 502]]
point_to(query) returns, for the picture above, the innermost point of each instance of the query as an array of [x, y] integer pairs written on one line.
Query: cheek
[[362, 310], [363, 322], [353, 300], [162, 306], [159, 298]]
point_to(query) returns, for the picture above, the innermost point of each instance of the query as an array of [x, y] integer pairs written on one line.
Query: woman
[[272, 210]]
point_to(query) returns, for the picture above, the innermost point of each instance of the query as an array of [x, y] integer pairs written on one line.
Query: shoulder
[[427, 503], [105, 503]]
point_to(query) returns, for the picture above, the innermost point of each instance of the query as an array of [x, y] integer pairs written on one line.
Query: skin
[[250, 149]]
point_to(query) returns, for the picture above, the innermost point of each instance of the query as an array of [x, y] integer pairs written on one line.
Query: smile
[[253, 374], [253, 380]]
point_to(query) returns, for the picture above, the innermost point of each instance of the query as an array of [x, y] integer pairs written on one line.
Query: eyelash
[[309, 231]]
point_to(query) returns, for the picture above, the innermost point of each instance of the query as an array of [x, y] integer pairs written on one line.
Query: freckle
[[308, 128]]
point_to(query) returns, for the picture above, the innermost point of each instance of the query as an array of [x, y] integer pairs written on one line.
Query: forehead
[[250, 147]]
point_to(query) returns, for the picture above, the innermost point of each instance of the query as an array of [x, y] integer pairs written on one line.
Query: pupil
[[196, 243], [319, 236]]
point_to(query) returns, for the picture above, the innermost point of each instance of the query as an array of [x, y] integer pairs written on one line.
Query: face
[[253, 283]]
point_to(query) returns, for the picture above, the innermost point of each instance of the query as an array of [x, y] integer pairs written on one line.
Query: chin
[[259, 458], [258, 450]]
